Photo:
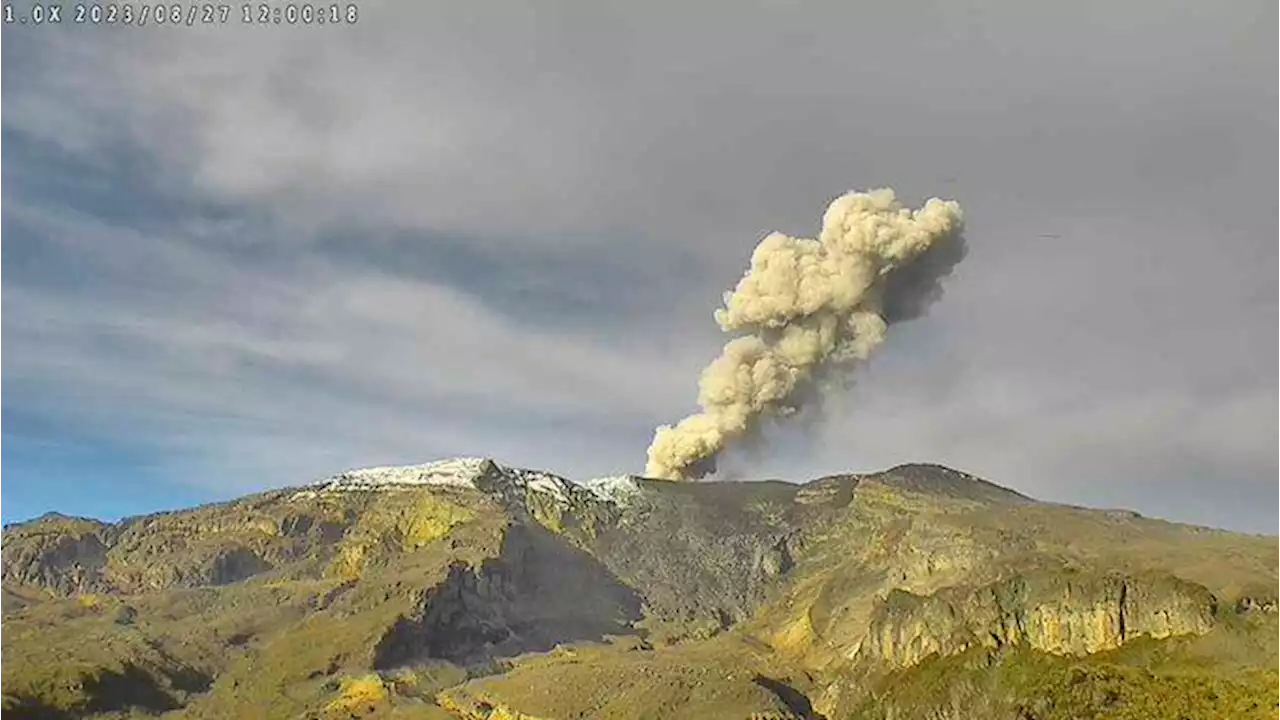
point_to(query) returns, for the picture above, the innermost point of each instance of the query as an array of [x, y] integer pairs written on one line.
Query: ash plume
[[806, 310]]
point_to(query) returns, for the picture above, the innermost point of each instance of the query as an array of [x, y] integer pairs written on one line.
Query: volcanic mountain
[[467, 589]]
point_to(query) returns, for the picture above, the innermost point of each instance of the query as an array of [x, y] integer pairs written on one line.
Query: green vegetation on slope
[[1155, 680]]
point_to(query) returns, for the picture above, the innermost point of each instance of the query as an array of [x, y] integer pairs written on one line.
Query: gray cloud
[[463, 229], [166, 329]]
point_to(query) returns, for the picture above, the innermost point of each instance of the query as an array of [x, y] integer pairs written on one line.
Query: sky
[[237, 258]]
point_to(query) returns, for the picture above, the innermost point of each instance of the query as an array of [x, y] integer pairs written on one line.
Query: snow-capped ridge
[[617, 489], [455, 472], [482, 474]]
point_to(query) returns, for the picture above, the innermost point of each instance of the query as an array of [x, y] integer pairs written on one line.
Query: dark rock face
[[128, 688], [698, 556], [211, 545], [459, 619], [62, 554], [537, 593], [233, 566]]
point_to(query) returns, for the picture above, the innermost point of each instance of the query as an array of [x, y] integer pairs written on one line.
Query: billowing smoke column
[[808, 308]]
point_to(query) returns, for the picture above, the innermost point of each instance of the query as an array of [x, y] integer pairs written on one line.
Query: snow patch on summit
[[481, 474], [455, 472], [542, 482], [617, 489]]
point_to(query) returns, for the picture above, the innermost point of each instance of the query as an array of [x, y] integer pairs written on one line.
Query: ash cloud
[[806, 312]]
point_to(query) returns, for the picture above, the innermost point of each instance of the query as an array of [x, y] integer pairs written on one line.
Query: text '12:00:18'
[[305, 14]]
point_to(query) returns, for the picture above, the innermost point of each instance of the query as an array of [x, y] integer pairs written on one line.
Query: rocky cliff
[[1064, 612]]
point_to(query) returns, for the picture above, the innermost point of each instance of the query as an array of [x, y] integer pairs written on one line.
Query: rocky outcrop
[[1061, 612], [59, 553], [212, 545], [704, 557], [943, 482], [537, 593]]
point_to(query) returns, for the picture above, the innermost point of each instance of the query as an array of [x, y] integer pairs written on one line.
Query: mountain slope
[[469, 589]]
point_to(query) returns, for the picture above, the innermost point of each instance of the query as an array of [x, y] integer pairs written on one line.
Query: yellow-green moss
[[429, 520], [348, 563], [1028, 683], [359, 693], [395, 523]]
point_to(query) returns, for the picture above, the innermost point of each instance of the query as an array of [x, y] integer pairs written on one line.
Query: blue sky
[[238, 258]]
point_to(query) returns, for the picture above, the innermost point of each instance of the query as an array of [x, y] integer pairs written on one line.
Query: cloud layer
[[265, 254]]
